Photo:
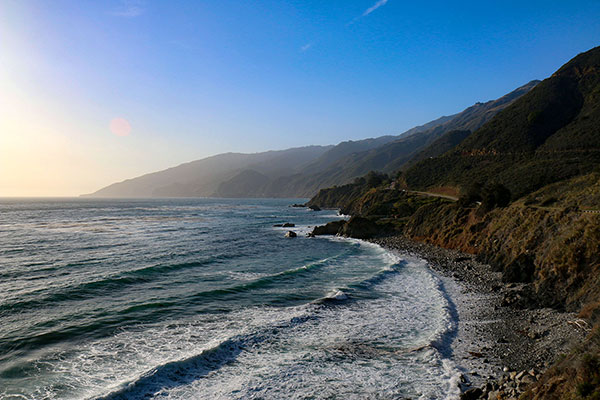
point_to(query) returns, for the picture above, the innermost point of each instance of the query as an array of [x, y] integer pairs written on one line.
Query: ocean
[[206, 299]]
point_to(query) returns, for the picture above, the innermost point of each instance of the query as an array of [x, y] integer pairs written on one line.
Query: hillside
[[550, 134], [394, 155], [546, 247], [202, 178], [221, 175], [343, 163]]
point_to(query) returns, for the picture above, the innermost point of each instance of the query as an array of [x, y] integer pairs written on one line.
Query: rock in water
[[315, 208], [290, 234], [331, 228], [286, 225], [360, 228]]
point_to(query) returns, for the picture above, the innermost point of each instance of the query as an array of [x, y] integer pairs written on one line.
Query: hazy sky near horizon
[[93, 92]]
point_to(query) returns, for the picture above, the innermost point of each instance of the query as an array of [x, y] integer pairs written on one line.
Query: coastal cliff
[[522, 194], [548, 243]]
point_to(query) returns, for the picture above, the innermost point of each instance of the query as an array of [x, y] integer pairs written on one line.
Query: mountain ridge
[[551, 133], [302, 171], [392, 155], [201, 174]]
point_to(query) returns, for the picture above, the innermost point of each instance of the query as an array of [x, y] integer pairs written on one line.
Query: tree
[[375, 178], [470, 194], [495, 195], [490, 196], [359, 180]]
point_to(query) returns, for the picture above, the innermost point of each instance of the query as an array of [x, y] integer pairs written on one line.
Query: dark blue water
[[205, 299]]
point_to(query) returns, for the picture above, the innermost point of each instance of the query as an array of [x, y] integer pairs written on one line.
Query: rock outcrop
[[360, 228], [331, 228], [356, 227], [510, 386]]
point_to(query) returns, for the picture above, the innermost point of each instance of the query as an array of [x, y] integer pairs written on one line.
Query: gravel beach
[[499, 333]]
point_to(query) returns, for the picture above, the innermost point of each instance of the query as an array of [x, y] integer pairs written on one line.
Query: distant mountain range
[[203, 178], [301, 172]]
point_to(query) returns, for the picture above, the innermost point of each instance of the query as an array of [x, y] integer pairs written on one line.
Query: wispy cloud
[[374, 7], [379, 3], [305, 47], [129, 9]]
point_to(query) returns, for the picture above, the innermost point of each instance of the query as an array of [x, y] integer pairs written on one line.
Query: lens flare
[[120, 127]]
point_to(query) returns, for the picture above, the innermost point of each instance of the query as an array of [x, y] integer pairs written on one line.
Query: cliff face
[[549, 239], [557, 251]]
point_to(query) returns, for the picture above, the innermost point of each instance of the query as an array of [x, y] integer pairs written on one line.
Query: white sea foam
[[383, 333], [377, 347], [337, 295]]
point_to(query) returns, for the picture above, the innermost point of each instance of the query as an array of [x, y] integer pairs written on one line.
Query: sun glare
[[120, 127]]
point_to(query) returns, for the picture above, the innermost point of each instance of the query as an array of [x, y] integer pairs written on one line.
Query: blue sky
[[196, 78]]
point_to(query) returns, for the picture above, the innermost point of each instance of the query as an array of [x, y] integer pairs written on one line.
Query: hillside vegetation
[[549, 134]]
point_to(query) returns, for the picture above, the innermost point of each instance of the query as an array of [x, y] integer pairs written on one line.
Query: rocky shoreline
[[504, 341]]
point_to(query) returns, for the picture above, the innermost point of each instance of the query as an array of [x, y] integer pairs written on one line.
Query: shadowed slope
[[550, 134]]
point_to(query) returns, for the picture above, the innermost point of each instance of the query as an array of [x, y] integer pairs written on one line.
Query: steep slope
[[445, 143], [343, 149], [350, 147], [392, 156], [247, 181], [327, 169], [470, 119], [430, 125], [550, 134]]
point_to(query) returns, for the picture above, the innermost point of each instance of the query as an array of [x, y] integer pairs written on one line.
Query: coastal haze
[[299, 200], [97, 93]]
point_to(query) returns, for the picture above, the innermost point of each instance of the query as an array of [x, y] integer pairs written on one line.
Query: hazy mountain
[[203, 177], [301, 172], [348, 148], [334, 166], [225, 175]]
